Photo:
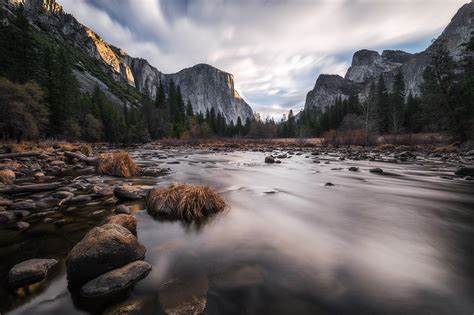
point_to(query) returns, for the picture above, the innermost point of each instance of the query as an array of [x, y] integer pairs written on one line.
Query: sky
[[275, 49]]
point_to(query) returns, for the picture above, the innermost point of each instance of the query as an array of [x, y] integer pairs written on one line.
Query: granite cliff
[[368, 65], [118, 74]]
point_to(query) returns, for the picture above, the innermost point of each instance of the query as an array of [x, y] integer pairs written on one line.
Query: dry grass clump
[[184, 201], [7, 177], [118, 164]]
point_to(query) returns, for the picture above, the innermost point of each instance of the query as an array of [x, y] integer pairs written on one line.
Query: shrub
[[184, 201], [118, 164]]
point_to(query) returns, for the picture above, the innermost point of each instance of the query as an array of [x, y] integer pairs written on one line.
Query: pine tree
[[382, 105], [397, 104]]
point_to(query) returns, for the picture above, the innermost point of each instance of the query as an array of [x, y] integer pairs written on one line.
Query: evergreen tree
[[382, 105], [397, 104]]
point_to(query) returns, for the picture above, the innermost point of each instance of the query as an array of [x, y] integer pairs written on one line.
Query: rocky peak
[[368, 64], [203, 85], [396, 56], [458, 31], [328, 87], [50, 6]]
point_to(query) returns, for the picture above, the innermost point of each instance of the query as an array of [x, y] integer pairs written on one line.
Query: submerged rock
[[103, 249], [22, 226], [269, 159], [376, 170], [29, 272], [465, 171], [117, 280], [353, 169]]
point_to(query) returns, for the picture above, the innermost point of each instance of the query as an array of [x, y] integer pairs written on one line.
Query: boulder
[[103, 249], [127, 221], [117, 280], [29, 272], [7, 176]]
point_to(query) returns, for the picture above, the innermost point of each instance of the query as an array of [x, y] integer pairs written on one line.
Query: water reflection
[[290, 245]]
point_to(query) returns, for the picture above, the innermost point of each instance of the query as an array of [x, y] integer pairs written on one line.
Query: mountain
[[124, 78], [368, 65]]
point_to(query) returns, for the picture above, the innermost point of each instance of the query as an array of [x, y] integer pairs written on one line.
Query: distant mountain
[[368, 65], [120, 76]]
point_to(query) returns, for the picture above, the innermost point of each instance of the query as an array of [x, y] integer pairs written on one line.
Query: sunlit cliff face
[[108, 55]]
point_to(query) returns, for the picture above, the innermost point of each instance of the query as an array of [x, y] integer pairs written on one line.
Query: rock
[[282, 156], [470, 153], [24, 205], [128, 193], [63, 195], [22, 226], [6, 217], [116, 280], [469, 178], [29, 272], [20, 214], [376, 170], [58, 163], [38, 175], [329, 184], [173, 162], [102, 191], [122, 209], [269, 159], [82, 199], [47, 220], [5, 202], [110, 201], [465, 171], [353, 169], [127, 221], [103, 249], [7, 176]]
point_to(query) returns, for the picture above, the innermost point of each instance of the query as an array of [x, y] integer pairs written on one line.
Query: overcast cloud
[[275, 49]]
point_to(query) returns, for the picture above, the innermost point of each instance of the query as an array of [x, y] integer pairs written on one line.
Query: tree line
[[445, 105]]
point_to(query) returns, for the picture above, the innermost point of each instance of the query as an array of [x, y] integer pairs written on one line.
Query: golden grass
[[118, 164], [7, 177], [184, 201]]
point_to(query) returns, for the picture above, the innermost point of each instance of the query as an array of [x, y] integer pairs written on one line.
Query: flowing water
[[400, 243]]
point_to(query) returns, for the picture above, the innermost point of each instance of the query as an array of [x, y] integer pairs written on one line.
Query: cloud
[[275, 49]]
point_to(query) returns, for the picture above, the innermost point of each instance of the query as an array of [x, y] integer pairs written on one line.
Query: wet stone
[[376, 170], [127, 221], [122, 209], [78, 200], [103, 249], [23, 205], [117, 280], [29, 272], [22, 226]]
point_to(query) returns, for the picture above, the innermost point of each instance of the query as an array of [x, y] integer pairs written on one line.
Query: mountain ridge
[[368, 65], [208, 88]]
